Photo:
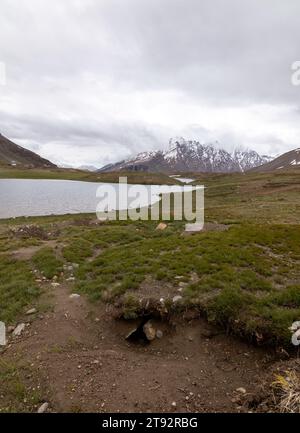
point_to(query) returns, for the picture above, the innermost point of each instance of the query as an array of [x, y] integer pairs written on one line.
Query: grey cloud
[[94, 143], [79, 72]]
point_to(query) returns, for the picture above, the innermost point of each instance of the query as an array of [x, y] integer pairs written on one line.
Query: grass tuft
[[287, 389], [47, 263]]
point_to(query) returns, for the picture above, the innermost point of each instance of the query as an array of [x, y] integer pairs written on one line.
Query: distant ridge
[[191, 156], [14, 155], [285, 161]]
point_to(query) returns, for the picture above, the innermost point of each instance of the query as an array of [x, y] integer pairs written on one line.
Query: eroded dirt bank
[[80, 361]]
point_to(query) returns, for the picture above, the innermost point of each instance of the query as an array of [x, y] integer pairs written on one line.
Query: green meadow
[[245, 277]]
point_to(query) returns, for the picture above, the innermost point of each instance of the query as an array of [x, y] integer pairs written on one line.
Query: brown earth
[[26, 253], [81, 361]]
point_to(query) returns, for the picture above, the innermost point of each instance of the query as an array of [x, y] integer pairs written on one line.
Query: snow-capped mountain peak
[[190, 155], [247, 158]]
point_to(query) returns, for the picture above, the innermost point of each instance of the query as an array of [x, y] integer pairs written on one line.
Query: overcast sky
[[96, 81]]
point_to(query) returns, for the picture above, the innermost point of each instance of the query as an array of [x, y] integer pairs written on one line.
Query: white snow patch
[[185, 179]]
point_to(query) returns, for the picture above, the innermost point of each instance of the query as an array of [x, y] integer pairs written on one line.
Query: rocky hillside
[[283, 162], [15, 155], [191, 156]]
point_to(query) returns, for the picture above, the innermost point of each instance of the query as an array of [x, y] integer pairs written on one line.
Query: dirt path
[[83, 363]]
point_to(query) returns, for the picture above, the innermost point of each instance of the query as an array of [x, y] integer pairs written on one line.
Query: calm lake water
[[25, 197]]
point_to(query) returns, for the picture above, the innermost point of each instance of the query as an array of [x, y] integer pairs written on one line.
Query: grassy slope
[[248, 278], [72, 174]]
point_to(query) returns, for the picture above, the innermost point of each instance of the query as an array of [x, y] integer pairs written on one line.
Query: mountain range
[[191, 156], [181, 156], [15, 155]]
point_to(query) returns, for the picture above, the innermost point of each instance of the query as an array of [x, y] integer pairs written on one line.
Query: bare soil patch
[[26, 253], [84, 363]]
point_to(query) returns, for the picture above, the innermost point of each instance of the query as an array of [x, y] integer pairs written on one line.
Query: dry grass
[[288, 391]]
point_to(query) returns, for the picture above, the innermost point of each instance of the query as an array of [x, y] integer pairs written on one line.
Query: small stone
[[177, 298], [97, 319], [173, 404], [43, 408], [161, 226], [19, 329], [74, 296], [55, 284], [149, 331], [241, 390], [31, 311], [159, 333]]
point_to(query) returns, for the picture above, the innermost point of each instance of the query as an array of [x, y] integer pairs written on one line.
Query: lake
[[39, 197]]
